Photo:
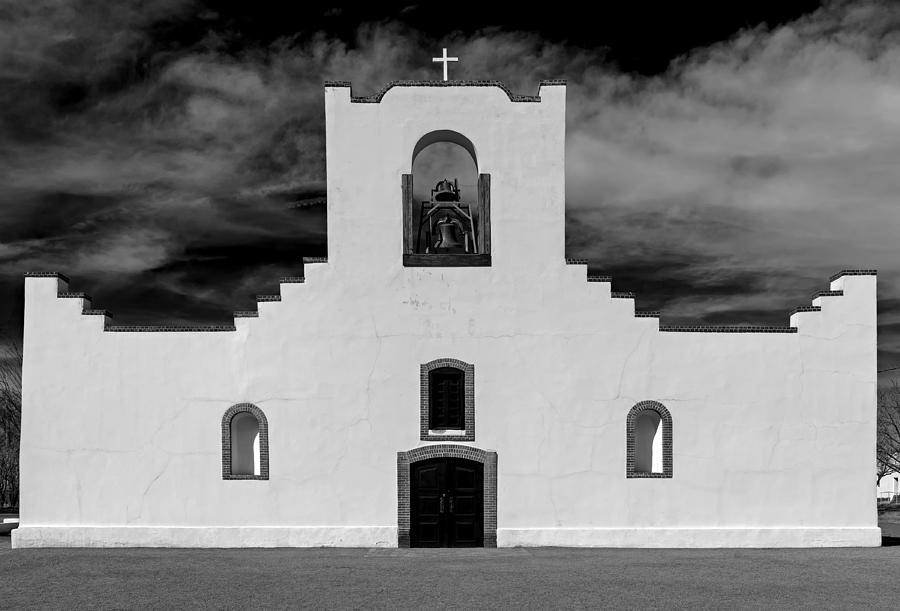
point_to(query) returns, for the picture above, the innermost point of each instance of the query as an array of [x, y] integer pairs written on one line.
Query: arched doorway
[[446, 503], [447, 497]]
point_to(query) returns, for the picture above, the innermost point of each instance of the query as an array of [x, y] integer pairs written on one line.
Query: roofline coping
[[47, 275], [569, 261], [854, 272], [377, 97]]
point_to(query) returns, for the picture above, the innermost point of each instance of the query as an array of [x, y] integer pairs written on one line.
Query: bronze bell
[[446, 191], [448, 236]]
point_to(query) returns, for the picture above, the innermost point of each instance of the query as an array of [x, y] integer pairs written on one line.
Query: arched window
[[447, 411], [245, 443], [649, 440], [446, 204]]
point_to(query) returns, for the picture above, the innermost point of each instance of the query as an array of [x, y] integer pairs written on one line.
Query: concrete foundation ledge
[[386, 536], [204, 536], [689, 537]]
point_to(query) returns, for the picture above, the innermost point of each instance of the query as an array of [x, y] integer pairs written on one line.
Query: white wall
[[773, 434]]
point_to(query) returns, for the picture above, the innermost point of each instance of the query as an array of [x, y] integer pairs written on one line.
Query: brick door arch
[[487, 458]]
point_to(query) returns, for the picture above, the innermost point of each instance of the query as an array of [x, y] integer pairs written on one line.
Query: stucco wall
[[773, 433]]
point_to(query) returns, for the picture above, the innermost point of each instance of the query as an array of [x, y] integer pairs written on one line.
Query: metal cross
[[444, 59]]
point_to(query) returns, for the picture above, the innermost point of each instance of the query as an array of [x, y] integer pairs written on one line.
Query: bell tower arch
[[450, 226], [444, 135], [514, 217]]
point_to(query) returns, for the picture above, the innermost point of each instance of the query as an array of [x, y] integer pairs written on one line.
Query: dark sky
[[723, 160]]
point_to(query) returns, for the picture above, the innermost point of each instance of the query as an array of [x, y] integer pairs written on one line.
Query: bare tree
[[10, 420], [888, 448]]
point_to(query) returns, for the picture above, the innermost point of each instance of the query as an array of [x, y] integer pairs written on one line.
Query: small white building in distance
[[889, 487], [448, 378]]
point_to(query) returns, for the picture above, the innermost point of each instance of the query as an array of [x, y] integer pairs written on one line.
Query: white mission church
[[456, 382]]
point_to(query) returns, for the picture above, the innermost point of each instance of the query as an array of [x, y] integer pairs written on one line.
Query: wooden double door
[[447, 503]]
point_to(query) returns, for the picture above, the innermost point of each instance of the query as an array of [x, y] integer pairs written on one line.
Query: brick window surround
[[666, 419], [263, 424], [449, 450], [468, 369]]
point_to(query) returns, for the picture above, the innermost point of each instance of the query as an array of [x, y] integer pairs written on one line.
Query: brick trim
[[87, 312], [828, 294], [230, 413], [169, 329], [468, 370], [245, 314], [666, 419], [47, 275], [805, 309], [375, 99], [725, 329], [700, 328], [107, 328], [487, 458], [854, 272], [446, 260]]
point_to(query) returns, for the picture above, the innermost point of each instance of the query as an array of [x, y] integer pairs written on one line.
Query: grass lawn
[[533, 578], [889, 521], [891, 516]]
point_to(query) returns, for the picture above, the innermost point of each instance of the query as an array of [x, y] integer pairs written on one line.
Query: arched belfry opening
[[446, 204], [448, 137]]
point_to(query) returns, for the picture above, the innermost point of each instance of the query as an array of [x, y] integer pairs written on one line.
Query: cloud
[[774, 152], [130, 252]]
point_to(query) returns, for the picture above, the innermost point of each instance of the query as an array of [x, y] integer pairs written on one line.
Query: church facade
[[458, 382]]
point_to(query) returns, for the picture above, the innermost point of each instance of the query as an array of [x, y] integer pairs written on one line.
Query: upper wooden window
[[447, 399], [447, 395]]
